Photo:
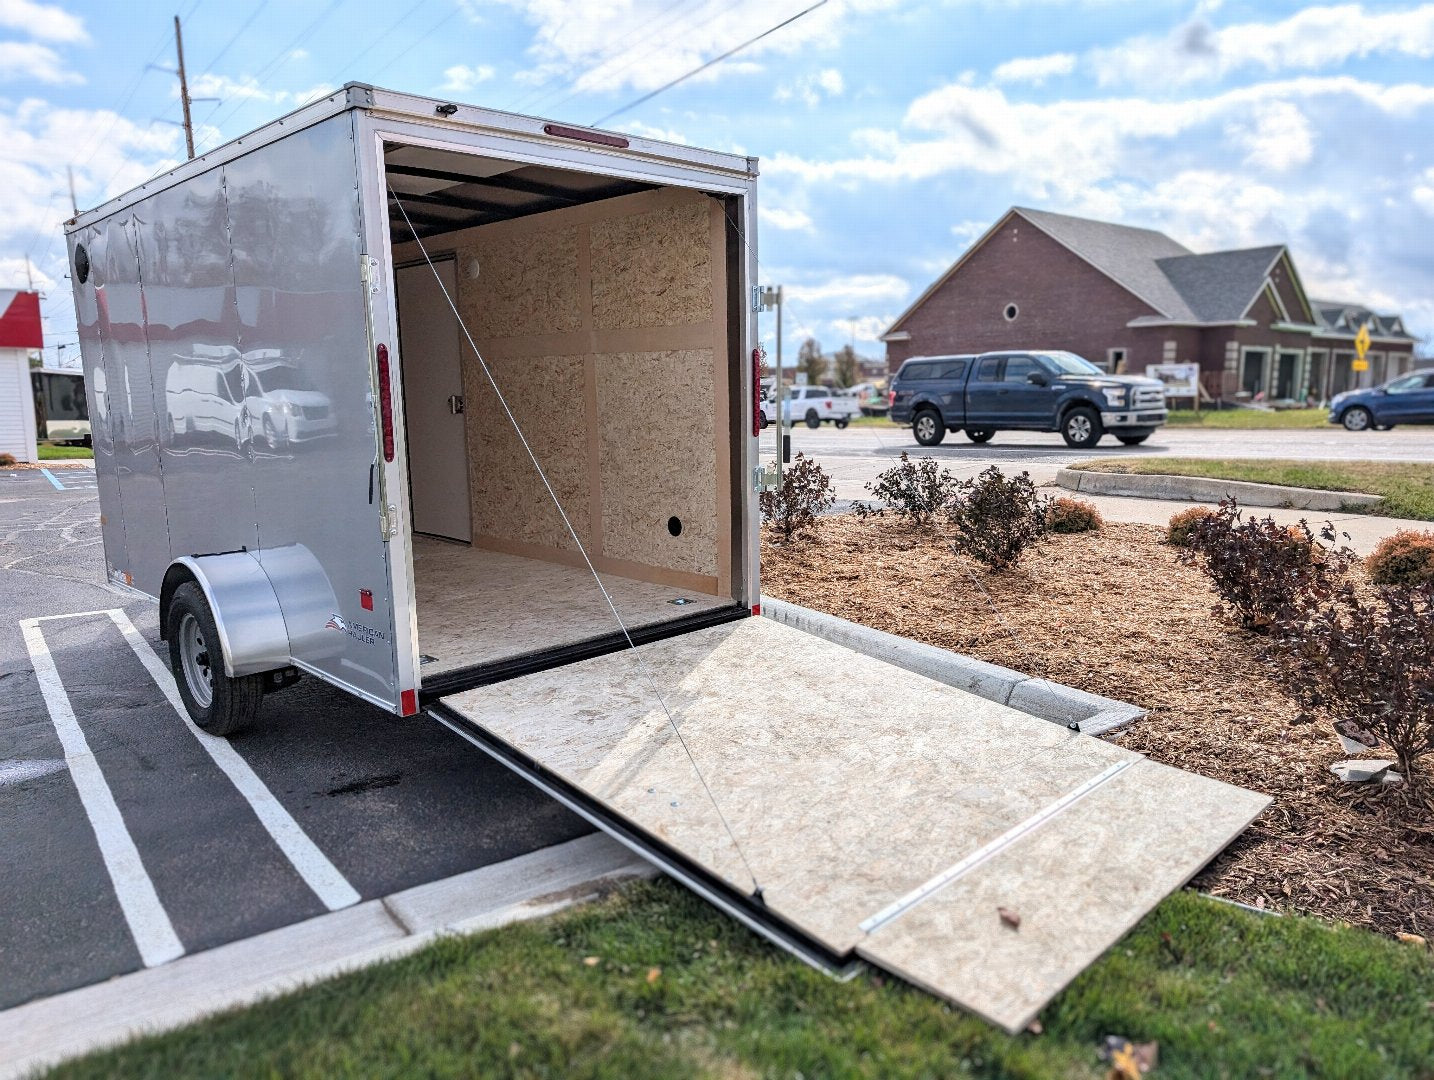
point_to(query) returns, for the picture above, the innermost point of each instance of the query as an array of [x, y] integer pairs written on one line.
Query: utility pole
[[184, 89], [74, 205]]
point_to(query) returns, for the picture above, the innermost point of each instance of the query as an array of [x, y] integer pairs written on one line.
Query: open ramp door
[[884, 816]]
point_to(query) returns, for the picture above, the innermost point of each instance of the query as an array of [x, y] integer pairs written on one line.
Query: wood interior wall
[[605, 325]]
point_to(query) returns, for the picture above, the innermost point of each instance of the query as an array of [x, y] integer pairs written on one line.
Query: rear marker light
[[385, 405], [408, 702], [602, 138], [366, 599], [756, 609], [756, 393]]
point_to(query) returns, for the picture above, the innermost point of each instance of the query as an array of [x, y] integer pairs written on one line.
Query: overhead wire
[[641, 660]]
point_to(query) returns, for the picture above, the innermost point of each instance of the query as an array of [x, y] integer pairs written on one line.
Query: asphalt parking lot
[[327, 802]]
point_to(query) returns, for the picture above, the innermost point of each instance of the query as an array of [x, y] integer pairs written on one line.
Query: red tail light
[[756, 392], [385, 403], [890, 398]]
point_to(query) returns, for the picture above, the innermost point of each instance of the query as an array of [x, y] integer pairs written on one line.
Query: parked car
[[1027, 391], [1408, 399], [812, 405]]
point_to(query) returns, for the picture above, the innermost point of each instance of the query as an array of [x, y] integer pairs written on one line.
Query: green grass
[[1249, 419], [1407, 487], [1225, 992], [51, 452]]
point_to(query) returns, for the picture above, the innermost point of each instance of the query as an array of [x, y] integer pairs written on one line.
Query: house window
[[1011, 312], [1169, 352], [1115, 360]]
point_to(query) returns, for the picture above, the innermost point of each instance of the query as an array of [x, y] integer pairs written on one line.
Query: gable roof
[[1127, 255], [1339, 319], [1220, 286]]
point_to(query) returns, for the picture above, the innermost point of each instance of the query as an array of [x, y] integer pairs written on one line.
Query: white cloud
[[30, 60], [461, 78], [1276, 135], [1034, 69], [797, 220], [856, 289], [810, 89], [648, 131], [44, 21], [249, 88], [1316, 37], [1423, 193]]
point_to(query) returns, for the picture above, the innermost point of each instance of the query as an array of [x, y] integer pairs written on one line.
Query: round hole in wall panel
[[674, 525], [82, 264], [1011, 312]]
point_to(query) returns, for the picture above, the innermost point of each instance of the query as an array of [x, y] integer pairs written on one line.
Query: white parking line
[[313, 865], [149, 923]]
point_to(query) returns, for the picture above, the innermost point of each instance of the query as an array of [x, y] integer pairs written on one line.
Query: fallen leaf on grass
[[653, 974], [1009, 917], [1413, 939], [592, 961]]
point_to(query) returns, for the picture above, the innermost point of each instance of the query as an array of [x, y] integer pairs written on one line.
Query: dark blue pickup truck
[[1024, 391]]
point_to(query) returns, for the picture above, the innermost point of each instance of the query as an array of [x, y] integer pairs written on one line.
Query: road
[[382, 803], [856, 455]]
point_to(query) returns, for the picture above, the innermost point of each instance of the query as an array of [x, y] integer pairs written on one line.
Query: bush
[[997, 518], [1365, 663], [917, 491], [1261, 568], [1406, 558], [1177, 533], [1066, 515], [6, 459], [805, 491]]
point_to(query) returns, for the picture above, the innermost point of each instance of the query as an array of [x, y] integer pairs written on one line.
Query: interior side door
[[429, 353]]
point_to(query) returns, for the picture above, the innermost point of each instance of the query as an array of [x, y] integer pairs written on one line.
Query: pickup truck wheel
[[1357, 418], [839, 424], [812, 419], [928, 428], [218, 704], [1081, 427], [979, 435], [762, 421], [1132, 440]]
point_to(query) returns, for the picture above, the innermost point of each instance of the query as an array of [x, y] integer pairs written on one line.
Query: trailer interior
[[602, 311]]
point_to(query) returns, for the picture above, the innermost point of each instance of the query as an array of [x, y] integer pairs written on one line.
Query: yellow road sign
[[1359, 365], [1361, 343]]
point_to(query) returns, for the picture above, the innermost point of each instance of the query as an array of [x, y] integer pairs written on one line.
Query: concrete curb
[[1203, 489], [42, 1033], [1064, 705]]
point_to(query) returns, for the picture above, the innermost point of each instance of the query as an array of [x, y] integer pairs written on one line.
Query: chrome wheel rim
[[1357, 420], [925, 427], [1078, 427], [194, 656]]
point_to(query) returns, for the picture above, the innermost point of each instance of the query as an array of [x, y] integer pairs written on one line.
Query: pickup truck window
[[1018, 368], [988, 369], [1068, 363], [953, 369]]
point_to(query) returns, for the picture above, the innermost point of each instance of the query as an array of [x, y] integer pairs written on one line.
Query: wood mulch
[[1116, 613]]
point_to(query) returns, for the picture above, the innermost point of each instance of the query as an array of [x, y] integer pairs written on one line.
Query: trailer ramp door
[[886, 816]]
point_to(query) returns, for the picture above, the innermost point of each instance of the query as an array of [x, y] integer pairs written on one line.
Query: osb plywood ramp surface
[[850, 784]]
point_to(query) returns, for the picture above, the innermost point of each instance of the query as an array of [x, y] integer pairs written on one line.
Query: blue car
[[1409, 399]]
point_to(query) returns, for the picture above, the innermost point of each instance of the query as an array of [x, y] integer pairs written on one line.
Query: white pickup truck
[[813, 405]]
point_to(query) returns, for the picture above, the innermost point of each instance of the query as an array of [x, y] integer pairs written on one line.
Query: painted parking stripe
[[328, 884], [148, 922], [53, 479]]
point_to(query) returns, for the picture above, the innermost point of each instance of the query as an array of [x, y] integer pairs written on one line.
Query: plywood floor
[[477, 606], [848, 783]]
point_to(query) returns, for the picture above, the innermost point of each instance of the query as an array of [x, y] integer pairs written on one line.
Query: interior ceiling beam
[[457, 202], [503, 183]]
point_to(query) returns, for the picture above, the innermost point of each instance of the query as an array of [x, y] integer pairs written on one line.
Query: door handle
[[455, 404]]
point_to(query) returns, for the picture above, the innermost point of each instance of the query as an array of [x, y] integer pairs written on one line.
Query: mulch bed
[[1116, 613]]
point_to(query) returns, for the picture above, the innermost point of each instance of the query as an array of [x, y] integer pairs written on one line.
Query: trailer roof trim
[[430, 112]]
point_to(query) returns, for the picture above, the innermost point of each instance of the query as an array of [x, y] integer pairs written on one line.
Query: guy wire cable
[[582, 548]]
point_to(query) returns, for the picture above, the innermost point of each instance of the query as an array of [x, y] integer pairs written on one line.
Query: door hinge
[[387, 522], [756, 298], [368, 272], [765, 477]]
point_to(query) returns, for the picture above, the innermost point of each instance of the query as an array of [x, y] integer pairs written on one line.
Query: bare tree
[[847, 367], [811, 362]]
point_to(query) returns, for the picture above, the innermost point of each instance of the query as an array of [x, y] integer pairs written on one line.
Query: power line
[[715, 60]]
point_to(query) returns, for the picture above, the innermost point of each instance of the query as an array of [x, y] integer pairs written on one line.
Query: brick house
[[1126, 297]]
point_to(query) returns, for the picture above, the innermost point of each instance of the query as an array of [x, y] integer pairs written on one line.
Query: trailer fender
[[245, 608]]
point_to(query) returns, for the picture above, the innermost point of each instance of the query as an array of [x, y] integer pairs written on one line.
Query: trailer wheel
[[813, 420], [218, 704]]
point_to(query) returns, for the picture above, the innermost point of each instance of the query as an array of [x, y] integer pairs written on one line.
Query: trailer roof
[[453, 117]]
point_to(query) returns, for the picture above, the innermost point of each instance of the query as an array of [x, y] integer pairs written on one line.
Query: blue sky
[[891, 134]]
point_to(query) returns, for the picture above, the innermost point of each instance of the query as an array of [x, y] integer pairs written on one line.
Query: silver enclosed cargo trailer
[[456, 410]]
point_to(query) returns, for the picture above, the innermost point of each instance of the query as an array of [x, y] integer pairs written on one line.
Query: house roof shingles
[[1219, 287]]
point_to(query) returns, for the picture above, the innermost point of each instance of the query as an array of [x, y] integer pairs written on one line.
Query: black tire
[[812, 419], [980, 435], [194, 657], [839, 424], [928, 427], [1357, 418], [1081, 427], [762, 422], [1132, 440]]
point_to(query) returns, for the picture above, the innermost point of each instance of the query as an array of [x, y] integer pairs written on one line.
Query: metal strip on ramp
[[853, 786]]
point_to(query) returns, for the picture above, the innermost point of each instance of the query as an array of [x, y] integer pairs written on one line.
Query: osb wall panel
[[654, 269], [548, 398], [527, 283], [658, 469]]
